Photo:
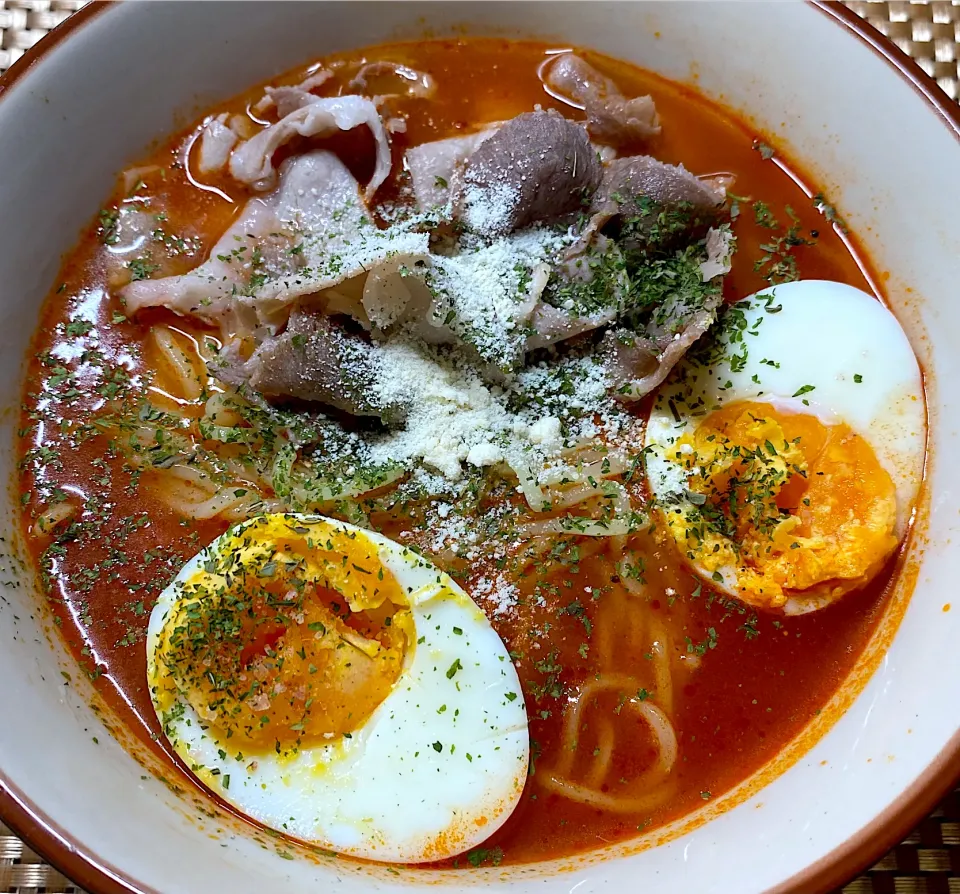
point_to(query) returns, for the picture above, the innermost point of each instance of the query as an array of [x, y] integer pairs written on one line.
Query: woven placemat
[[928, 861]]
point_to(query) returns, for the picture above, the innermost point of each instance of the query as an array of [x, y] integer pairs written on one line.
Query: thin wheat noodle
[[658, 722], [610, 491], [655, 776], [613, 496], [193, 476], [200, 345], [660, 649], [581, 527], [532, 492], [179, 363], [633, 586], [223, 500], [240, 470], [598, 463], [537, 498], [173, 405], [602, 644], [617, 615], [565, 498], [55, 515], [606, 801], [654, 632], [603, 755], [218, 411]]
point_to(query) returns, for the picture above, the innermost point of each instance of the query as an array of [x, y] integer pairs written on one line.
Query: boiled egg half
[[785, 454], [337, 687]]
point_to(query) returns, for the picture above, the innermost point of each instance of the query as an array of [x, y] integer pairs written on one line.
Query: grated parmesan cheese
[[455, 417], [487, 209], [489, 291]]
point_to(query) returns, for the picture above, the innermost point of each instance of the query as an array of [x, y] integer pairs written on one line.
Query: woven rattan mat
[[928, 861]]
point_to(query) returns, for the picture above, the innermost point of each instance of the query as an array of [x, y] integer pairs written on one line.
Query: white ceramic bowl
[[866, 123]]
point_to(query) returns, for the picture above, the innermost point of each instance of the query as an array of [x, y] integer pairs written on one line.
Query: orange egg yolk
[[289, 637], [790, 504]]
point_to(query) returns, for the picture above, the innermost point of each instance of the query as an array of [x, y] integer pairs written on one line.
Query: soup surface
[[129, 467]]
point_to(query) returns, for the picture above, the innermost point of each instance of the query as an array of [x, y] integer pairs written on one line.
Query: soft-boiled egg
[[786, 453], [337, 687]]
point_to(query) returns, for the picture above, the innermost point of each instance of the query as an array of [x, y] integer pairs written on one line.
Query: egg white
[[811, 346], [438, 766]]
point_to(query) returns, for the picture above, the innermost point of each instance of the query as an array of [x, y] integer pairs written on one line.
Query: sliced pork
[[315, 360], [611, 117], [252, 162], [385, 79], [586, 292], [216, 143], [537, 167], [434, 167], [651, 205], [317, 195], [640, 361], [288, 99]]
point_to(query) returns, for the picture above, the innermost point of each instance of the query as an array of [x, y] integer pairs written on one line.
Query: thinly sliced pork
[[252, 162], [435, 167], [288, 99], [309, 235], [216, 143], [536, 168], [316, 360], [639, 362], [611, 117], [261, 243], [392, 75]]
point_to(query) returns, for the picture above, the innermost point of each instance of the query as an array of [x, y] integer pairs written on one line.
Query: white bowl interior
[[131, 74]]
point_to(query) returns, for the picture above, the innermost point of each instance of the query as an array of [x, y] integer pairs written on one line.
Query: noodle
[[661, 664], [200, 500], [606, 801], [654, 777], [532, 492], [191, 475], [614, 493], [220, 411], [603, 754], [179, 363], [55, 515], [586, 527], [605, 628], [645, 633]]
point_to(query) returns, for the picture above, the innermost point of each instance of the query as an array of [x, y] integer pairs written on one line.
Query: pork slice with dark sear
[[649, 205], [316, 360], [537, 167]]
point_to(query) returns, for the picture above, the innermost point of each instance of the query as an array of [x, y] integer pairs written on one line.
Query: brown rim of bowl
[[843, 863], [896, 821]]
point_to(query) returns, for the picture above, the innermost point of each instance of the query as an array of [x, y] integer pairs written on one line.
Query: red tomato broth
[[759, 682]]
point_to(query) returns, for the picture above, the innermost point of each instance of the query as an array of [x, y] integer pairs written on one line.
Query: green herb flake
[[452, 670]]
